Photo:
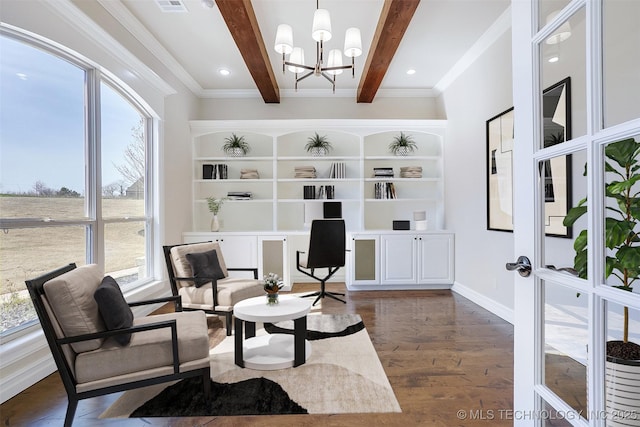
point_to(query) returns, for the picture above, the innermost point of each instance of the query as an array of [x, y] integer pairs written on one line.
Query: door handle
[[522, 265]]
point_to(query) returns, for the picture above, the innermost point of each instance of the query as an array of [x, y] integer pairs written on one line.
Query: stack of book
[[305, 172], [338, 170], [249, 174], [384, 190], [239, 195], [383, 172], [411, 172]]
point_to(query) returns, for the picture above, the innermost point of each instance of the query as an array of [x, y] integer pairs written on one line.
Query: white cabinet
[[401, 260]]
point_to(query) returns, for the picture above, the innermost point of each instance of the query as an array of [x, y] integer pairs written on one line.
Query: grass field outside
[[29, 252]]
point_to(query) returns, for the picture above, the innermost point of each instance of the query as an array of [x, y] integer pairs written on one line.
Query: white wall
[[483, 91]]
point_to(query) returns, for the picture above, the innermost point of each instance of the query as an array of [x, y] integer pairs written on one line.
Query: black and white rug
[[342, 375]]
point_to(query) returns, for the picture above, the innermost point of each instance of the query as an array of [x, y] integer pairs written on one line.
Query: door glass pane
[[622, 212], [123, 156], [565, 344], [563, 59], [621, 61], [563, 189], [26, 253], [553, 418], [622, 373], [548, 9], [124, 244], [41, 134]]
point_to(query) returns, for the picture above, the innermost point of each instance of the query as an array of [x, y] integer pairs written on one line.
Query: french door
[[576, 84]]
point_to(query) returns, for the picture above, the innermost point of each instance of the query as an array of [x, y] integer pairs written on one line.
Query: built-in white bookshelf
[[278, 147]]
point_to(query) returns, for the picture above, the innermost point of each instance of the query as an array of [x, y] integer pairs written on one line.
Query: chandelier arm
[[310, 73], [326, 76], [339, 67], [293, 64]]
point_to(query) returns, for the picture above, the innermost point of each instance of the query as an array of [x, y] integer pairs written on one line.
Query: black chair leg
[[229, 322], [71, 412], [206, 383]]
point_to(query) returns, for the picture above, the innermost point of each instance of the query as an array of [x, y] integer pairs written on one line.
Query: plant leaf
[[573, 215], [617, 232], [622, 152], [580, 243], [580, 264], [629, 257]]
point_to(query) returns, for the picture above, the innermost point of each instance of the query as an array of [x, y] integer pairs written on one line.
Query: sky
[[42, 122]]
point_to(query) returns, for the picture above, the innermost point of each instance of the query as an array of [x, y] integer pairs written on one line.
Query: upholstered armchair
[[198, 273], [100, 348]]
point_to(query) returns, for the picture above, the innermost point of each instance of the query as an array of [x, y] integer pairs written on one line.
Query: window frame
[[93, 222]]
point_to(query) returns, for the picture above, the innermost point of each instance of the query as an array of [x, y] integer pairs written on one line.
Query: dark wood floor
[[445, 357]]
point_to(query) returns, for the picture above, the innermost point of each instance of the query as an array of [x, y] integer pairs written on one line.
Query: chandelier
[[321, 32]]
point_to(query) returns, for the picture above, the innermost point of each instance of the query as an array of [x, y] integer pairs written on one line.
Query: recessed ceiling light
[[21, 76], [553, 59], [224, 72], [411, 71]]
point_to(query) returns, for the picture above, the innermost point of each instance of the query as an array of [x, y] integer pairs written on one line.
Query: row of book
[[240, 195], [218, 171], [320, 192], [338, 170], [384, 190]]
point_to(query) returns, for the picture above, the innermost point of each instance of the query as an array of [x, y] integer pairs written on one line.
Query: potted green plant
[[622, 239], [236, 146], [402, 145], [272, 284], [318, 145], [214, 207]]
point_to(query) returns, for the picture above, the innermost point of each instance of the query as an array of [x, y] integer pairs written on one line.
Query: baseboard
[[21, 364], [483, 301]]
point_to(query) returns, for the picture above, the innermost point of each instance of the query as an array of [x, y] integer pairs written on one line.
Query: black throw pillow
[[205, 267], [113, 308]]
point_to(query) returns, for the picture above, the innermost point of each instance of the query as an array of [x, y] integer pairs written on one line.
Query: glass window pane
[[565, 344], [563, 189], [41, 132], [547, 9], [622, 212], [125, 251], [123, 155], [622, 366], [564, 58], [621, 61], [26, 253]]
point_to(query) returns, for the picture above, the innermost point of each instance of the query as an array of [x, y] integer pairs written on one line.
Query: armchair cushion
[[181, 265], [113, 308], [70, 297], [205, 266]]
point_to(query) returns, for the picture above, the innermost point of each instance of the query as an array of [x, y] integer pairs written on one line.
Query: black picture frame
[[500, 139], [556, 173]]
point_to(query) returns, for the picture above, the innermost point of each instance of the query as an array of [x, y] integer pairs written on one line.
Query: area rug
[[342, 375]]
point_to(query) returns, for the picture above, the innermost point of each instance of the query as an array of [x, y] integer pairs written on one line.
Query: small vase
[[215, 225], [402, 151], [272, 298], [318, 151]]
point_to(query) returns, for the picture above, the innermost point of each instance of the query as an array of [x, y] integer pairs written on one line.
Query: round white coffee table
[[271, 351]]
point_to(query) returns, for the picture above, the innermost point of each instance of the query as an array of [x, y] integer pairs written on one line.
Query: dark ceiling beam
[[243, 25], [393, 22]]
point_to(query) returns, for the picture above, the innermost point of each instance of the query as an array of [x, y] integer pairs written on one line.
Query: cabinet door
[[363, 260], [398, 255], [273, 258], [435, 258], [239, 251]]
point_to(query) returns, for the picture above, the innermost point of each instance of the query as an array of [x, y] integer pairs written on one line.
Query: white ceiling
[[196, 44]]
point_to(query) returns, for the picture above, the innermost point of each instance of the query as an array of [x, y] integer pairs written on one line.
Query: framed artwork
[[500, 171], [555, 174]]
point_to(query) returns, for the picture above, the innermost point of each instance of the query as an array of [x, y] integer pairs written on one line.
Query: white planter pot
[[622, 392], [318, 151]]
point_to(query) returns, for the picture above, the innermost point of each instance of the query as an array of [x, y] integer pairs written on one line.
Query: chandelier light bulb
[[284, 39], [321, 30], [352, 42], [335, 60], [297, 57]]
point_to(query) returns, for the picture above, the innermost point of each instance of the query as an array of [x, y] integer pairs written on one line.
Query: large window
[[75, 152]]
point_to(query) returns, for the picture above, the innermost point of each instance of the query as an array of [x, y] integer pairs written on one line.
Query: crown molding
[[317, 93], [135, 27], [497, 29], [92, 31]]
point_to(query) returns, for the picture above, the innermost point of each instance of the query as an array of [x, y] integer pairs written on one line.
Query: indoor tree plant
[[318, 145], [236, 146], [622, 229], [214, 207], [402, 145]]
